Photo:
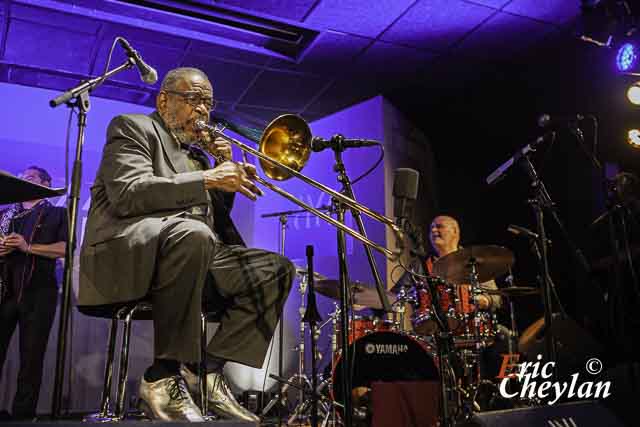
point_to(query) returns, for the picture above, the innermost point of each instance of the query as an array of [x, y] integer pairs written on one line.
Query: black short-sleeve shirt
[[43, 224]]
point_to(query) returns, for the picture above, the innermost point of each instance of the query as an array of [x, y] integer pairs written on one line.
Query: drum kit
[[409, 343]]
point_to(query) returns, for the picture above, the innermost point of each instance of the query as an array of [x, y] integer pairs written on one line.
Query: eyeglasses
[[195, 98]]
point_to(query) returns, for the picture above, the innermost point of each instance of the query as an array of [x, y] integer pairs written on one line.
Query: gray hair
[[174, 76]]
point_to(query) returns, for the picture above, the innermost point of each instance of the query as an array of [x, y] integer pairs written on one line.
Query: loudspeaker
[[580, 414], [574, 345]]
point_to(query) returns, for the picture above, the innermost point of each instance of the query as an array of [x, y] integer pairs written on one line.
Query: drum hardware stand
[[311, 316], [514, 334], [76, 97], [473, 359], [280, 396], [445, 346]]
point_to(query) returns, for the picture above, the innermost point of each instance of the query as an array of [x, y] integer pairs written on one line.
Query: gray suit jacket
[[140, 182]]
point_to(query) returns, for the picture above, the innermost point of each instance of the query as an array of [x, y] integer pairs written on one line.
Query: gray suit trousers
[[249, 287]]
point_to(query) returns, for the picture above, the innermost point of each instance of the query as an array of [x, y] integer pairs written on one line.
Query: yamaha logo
[[394, 349]]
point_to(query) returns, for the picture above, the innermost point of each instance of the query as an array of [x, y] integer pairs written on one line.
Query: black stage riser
[[131, 423], [582, 414]]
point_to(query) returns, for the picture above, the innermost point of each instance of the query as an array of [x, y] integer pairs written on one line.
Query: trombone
[[284, 149]]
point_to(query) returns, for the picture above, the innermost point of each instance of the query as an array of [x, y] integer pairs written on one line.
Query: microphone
[[546, 121], [147, 73], [340, 143], [405, 192], [522, 231], [525, 232], [501, 171]]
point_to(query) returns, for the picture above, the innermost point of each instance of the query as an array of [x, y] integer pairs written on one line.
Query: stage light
[[633, 138], [633, 93], [627, 58]]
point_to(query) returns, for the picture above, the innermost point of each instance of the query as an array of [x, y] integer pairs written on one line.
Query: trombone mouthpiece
[[201, 125]]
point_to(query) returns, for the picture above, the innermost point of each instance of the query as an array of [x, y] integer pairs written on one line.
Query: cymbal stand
[[280, 397], [471, 357], [514, 334], [445, 346], [308, 314]]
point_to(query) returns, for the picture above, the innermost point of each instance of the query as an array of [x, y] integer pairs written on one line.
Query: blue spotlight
[[627, 57]]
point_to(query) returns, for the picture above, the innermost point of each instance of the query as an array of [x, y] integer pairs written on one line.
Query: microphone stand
[[540, 203], [338, 148], [347, 190], [343, 178], [77, 96]]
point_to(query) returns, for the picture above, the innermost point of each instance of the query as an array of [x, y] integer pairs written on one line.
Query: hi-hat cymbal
[[362, 295], [302, 271], [491, 261], [514, 291]]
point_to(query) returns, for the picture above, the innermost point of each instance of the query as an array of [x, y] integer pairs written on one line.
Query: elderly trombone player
[[159, 228]]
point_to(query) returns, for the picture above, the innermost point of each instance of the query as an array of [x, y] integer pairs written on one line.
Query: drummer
[[444, 235]]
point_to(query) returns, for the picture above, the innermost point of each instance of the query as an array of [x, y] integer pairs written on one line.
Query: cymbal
[[491, 261], [514, 291], [302, 271], [362, 294]]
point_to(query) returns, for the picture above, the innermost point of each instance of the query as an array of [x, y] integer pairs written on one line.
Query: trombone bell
[[287, 140]]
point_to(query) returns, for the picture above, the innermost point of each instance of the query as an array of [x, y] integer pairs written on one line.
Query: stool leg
[[202, 381], [108, 370], [104, 414], [124, 364]]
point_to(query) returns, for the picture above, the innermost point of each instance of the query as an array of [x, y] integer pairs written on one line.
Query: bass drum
[[383, 357]]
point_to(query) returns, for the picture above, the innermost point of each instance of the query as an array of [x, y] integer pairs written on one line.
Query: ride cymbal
[[490, 260]]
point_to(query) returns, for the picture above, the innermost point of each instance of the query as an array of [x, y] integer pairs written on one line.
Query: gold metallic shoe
[[219, 395], [168, 399]]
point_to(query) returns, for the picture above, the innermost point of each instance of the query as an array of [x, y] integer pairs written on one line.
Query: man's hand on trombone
[[233, 177], [219, 147]]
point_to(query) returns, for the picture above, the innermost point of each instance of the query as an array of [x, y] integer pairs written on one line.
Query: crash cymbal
[[363, 295], [514, 291], [302, 271], [368, 297], [491, 261], [328, 287]]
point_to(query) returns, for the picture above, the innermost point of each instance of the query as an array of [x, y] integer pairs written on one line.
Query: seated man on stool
[[159, 228]]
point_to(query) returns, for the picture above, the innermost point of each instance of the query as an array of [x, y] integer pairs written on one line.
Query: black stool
[[127, 312]]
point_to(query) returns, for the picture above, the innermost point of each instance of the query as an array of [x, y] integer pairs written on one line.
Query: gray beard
[[182, 136], [178, 132]]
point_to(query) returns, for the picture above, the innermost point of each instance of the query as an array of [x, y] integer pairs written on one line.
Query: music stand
[[14, 189]]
